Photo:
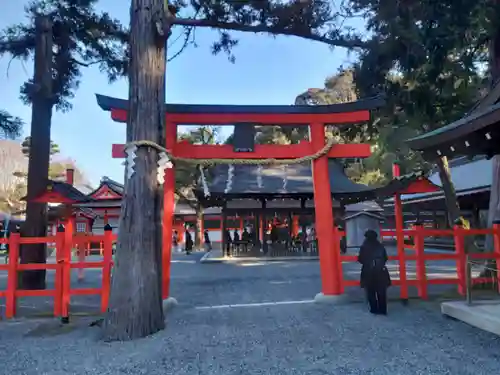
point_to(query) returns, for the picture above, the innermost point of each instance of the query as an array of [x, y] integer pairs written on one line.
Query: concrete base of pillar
[[333, 299], [169, 304]]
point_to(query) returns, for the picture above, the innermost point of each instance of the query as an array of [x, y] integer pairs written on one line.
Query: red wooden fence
[[66, 241], [62, 291], [419, 233]]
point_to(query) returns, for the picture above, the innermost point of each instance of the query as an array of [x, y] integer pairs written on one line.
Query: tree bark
[[136, 300], [39, 157], [450, 196]]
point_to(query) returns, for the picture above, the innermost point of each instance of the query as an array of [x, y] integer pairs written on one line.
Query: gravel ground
[[281, 339], [294, 339]]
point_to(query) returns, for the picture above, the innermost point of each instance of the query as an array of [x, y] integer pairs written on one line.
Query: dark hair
[[371, 235]]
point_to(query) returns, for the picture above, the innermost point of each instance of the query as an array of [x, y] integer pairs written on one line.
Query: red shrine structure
[[316, 117]]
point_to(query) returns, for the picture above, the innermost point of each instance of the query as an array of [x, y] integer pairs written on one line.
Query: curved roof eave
[[107, 103], [456, 130]]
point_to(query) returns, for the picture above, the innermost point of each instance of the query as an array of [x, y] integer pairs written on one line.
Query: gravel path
[[294, 339], [281, 339]]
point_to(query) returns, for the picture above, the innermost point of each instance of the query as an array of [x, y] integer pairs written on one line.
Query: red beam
[[187, 150], [120, 115]]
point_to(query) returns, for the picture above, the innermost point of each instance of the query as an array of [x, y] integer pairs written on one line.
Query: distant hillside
[[13, 161]]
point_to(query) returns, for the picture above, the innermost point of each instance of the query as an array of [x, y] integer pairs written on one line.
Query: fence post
[[81, 259], [106, 269], [419, 243], [458, 233], [11, 300], [66, 272], [496, 243], [59, 270], [337, 237], [468, 280]]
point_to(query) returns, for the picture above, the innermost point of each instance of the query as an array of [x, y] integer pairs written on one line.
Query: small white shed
[[358, 219]]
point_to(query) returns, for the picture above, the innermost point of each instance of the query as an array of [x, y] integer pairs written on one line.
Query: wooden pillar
[[329, 260], [295, 225], [303, 226], [398, 216], [168, 211], [261, 226], [221, 226], [224, 229]]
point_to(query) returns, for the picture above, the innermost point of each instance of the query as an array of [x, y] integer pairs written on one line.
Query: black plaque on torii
[[244, 138]]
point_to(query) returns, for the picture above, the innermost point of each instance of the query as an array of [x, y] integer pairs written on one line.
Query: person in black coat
[[228, 242], [188, 241], [375, 278], [208, 243]]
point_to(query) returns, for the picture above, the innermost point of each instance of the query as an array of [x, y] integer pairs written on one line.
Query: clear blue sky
[[267, 71]]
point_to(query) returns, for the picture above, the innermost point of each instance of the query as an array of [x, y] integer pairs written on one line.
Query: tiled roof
[[461, 172], [113, 185], [68, 191], [295, 181]]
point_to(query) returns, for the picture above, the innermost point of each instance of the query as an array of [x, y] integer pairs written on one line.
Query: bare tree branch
[[187, 41]]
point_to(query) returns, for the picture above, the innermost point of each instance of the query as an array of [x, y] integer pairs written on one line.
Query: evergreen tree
[[135, 304], [10, 126], [63, 37], [428, 56]]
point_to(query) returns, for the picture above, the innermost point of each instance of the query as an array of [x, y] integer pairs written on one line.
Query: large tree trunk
[[136, 300], [39, 157], [452, 206]]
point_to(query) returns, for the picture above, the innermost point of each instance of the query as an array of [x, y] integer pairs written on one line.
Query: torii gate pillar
[[329, 257]]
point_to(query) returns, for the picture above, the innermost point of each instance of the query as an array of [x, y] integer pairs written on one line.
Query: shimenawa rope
[[208, 162]]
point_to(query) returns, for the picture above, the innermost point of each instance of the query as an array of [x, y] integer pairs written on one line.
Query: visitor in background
[[228, 241], [236, 236], [175, 241], [343, 241], [245, 237], [375, 278], [208, 244], [188, 241]]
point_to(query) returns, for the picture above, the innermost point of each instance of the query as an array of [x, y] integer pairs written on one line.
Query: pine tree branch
[[338, 42], [81, 63]]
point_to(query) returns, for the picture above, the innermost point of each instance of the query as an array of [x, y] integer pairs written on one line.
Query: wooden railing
[[62, 292], [418, 234]]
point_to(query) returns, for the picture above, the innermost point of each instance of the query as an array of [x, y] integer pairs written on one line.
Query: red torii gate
[[291, 115]]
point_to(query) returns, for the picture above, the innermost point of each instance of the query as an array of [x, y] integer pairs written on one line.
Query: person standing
[[228, 241], [208, 243], [188, 241], [175, 241], [375, 278]]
